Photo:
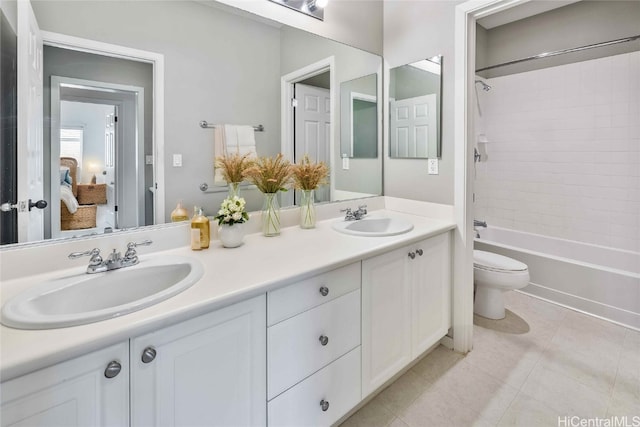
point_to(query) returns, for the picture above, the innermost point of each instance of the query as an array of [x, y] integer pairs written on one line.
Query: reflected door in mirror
[[415, 110]]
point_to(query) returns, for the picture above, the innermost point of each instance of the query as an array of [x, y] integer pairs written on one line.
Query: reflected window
[[71, 143]]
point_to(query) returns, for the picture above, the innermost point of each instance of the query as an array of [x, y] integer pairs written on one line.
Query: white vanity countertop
[[230, 275]]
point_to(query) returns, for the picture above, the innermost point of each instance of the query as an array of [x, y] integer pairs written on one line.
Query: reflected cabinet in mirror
[[133, 161], [415, 109]]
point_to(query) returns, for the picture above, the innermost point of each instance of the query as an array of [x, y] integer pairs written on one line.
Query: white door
[[73, 393], [313, 128], [110, 135], [413, 127], [30, 158], [386, 318], [210, 370], [431, 284]]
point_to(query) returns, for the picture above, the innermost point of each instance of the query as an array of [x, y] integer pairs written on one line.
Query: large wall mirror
[[222, 66], [415, 109]]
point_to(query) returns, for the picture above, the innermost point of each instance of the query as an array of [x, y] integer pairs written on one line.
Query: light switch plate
[[345, 163], [177, 160], [432, 166]]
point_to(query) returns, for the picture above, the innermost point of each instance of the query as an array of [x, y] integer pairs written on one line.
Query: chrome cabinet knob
[[324, 405], [148, 355], [324, 291], [324, 340], [113, 369], [412, 255], [419, 252]]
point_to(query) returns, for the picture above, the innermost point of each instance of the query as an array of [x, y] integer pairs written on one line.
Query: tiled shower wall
[[563, 157]]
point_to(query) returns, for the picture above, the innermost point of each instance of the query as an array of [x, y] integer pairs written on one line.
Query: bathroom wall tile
[[566, 133]]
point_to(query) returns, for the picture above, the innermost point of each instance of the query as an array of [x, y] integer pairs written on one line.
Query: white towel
[[240, 139], [66, 195], [219, 149]]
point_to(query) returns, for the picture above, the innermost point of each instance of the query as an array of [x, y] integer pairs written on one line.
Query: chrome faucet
[[354, 215], [114, 261]]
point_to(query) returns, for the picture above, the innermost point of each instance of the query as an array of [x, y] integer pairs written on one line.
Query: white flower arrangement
[[232, 211]]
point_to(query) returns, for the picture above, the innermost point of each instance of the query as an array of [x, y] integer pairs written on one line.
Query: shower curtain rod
[[561, 52]]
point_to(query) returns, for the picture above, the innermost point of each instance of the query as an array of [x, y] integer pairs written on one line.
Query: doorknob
[[40, 204]]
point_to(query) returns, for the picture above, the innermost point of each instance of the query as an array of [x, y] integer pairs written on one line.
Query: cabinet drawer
[[295, 349], [338, 384], [300, 296]]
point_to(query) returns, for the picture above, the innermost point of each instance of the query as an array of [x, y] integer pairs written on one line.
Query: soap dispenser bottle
[[179, 213], [199, 230]]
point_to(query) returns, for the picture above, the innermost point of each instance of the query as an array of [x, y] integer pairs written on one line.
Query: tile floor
[[539, 363]]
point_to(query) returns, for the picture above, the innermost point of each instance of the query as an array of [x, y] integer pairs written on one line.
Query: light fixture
[[314, 8]]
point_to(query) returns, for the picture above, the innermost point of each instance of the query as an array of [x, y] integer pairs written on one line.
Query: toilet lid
[[491, 261]]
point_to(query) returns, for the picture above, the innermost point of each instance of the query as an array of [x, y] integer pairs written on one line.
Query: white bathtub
[[595, 279]]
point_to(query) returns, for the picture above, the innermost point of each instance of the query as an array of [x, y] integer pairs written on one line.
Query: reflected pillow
[[65, 176]]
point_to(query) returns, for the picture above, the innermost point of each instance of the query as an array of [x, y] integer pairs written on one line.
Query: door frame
[[157, 62], [287, 83], [359, 97], [466, 15], [125, 92]]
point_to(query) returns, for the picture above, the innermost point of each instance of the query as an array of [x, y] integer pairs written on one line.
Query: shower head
[[485, 86]]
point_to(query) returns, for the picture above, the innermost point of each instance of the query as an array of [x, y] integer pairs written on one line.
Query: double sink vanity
[[291, 330]]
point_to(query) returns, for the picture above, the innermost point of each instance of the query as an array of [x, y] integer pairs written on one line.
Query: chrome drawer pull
[[148, 355], [324, 291], [324, 405], [113, 369], [324, 340]]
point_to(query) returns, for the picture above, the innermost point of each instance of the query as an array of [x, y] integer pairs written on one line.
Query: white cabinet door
[[386, 318], [73, 393], [210, 370], [431, 287]]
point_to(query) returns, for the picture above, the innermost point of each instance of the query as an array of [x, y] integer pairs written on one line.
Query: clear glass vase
[[234, 190], [307, 210], [271, 215]]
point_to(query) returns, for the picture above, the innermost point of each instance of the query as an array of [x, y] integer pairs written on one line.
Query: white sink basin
[[374, 227], [86, 298]]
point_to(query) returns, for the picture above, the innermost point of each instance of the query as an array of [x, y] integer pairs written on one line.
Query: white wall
[[564, 152], [415, 30]]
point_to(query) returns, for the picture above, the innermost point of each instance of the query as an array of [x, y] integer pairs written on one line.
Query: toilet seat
[[489, 261]]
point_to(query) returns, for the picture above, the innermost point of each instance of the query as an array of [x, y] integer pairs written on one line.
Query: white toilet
[[494, 274]]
